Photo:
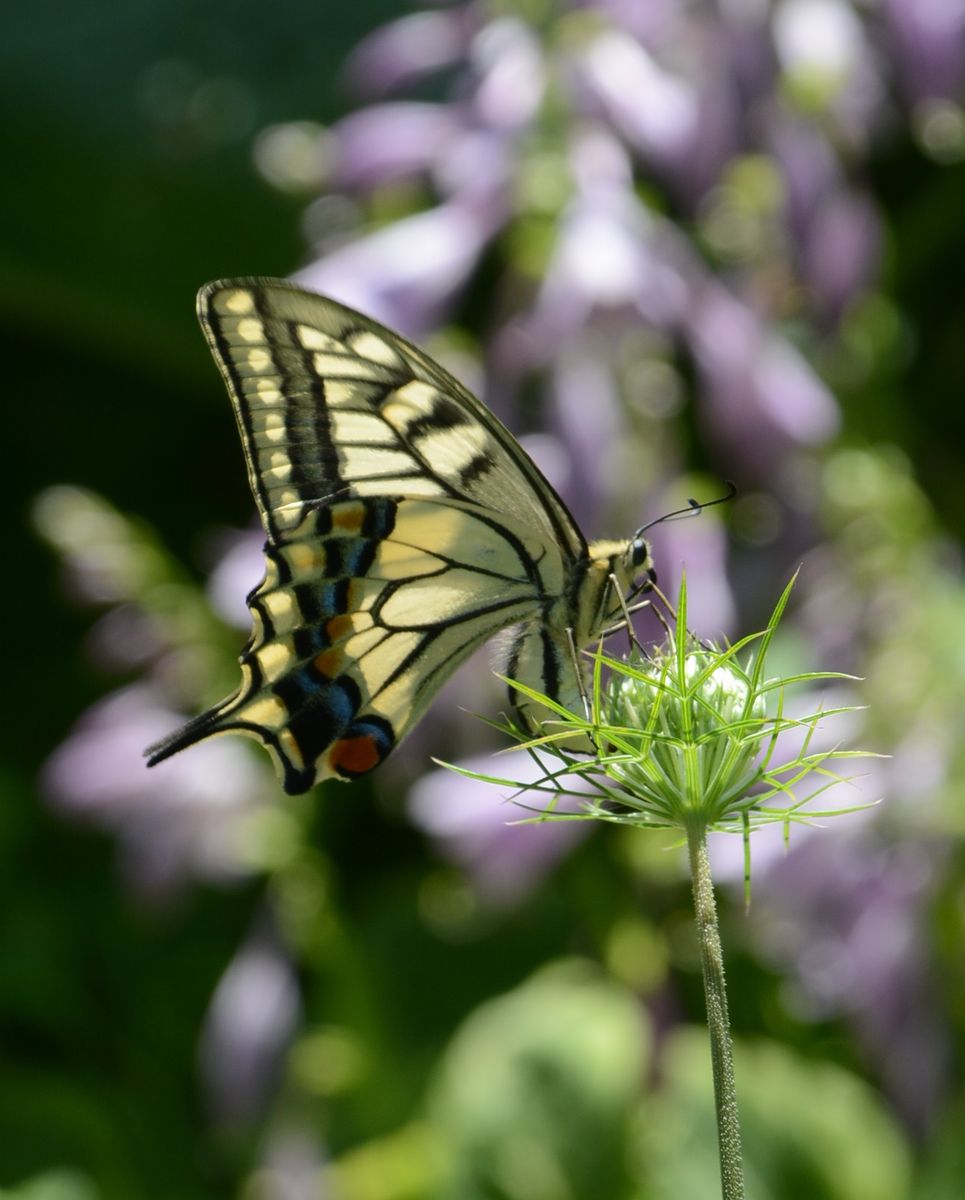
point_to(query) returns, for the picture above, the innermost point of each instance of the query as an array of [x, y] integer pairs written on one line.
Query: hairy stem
[[718, 1021]]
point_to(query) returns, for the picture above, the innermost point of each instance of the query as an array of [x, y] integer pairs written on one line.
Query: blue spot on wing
[[319, 711]]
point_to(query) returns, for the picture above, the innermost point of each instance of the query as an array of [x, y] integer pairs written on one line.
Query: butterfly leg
[[663, 599], [577, 671], [627, 623]]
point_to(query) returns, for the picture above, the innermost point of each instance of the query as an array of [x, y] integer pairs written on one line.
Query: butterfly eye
[[639, 552]]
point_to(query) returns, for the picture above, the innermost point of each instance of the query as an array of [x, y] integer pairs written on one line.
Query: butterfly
[[405, 527]]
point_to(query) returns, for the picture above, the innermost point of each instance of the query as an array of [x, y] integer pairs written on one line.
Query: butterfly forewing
[[330, 404]]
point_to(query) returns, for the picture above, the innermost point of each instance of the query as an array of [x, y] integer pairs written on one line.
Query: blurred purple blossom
[[504, 860], [239, 568], [407, 274], [762, 399], [841, 251], [507, 59], [293, 1164], [405, 50], [603, 100], [389, 142], [183, 822], [698, 545], [927, 41], [124, 637], [824, 35], [655, 109], [606, 258], [250, 1022], [845, 918], [589, 416]]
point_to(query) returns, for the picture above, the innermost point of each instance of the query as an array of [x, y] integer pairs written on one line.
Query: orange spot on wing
[[338, 627], [348, 517], [328, 663], [355, 755]]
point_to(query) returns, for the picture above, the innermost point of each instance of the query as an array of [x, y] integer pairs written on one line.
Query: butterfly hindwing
[[364, 612]]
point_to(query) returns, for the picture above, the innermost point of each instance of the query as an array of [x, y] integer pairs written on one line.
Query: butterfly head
[[618, 572], [640, 569]]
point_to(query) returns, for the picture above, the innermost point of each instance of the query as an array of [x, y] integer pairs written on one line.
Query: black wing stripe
[[226, 361]]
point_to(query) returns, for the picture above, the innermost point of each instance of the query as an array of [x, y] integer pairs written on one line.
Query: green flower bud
[[693, 736]]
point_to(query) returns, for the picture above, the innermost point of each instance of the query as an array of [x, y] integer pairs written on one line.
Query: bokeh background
[[670, 243]]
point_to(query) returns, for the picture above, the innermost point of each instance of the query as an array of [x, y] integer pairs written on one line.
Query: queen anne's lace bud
[[722, 696], [694, 734]]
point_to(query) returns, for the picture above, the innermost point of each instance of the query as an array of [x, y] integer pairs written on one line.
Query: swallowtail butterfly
[[406, 526]]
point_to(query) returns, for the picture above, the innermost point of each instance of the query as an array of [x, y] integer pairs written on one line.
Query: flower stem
[[718, 1020]]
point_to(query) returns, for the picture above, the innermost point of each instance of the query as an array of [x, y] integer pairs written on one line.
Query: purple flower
[[658, 23], [409, 273], [698, 545], [292, 1164], [386, 143], [845, 916], [249, 1024], [603, 260], [505, 861], [185, 819], [587, 411], [239, 569], [507, 59], [810, 171], [653, 109], [126, 637], [762, 399], [612, 259], [406, 50], [822, 40], [927, 40], [842, 251]]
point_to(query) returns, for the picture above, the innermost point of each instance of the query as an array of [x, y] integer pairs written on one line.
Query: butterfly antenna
[[694, 508]]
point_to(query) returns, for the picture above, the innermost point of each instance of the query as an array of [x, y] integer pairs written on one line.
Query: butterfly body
[[406, 527]]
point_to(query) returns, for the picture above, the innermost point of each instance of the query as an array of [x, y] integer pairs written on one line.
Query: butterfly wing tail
[[194, 731], [229, 717]]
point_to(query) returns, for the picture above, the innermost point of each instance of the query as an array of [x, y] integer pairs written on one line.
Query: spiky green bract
[[691, 734]]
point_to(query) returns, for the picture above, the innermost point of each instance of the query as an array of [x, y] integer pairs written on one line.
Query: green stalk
[[718, 1020]]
